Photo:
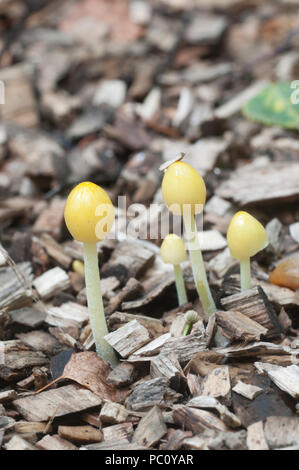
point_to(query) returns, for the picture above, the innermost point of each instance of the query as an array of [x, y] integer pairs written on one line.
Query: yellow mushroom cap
[[245, 236], [173, 250], [183, 185], [88, 213]]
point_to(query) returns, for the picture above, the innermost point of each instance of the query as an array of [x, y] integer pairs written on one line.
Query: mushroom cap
[[173, 250], [88, 213], [183, 185], [245, 236]]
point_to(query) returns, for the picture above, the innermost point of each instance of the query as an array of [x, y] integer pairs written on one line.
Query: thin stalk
[[180, 284], [95, 304], [186, 329], [245, 274], [198, 268]]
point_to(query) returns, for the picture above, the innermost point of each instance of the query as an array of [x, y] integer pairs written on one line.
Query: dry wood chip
[[127, 339], [247, 390], [27, 316], [51, 220], [39, 340], [281, 431], [15, 285], [51, 282], [19, 361], [115, 445], [151, 428], [197, 420], [88, 369], [152, 348], [281, 296], [153, 325], [257, 349], [55, 442], [118, 432], [80, 434], [113, 413], [58, 402], [123, 374], [261, 183], [31, 427], [169, 367], [154, 288], [286, 378], [184, 347], [9, 395], [255, 304], [131, 290], [150, 393], [227, 416], [18, 443], [55, 251], [217, 384], [256, 439], [238, 327], [68, 314]]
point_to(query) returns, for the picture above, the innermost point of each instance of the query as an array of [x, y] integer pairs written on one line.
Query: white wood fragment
[[286, 378], [51, 282], [256, 439], [18, 443], [113, 413], [68, 314], [211, 240], [127, 339], [247, 390], [152, 348]]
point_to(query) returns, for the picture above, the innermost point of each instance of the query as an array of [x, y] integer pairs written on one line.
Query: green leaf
[[276, 105]]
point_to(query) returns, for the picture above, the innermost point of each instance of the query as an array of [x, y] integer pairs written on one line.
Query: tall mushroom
[[89, 216], [245, 237], [173, 252], [184, 192]]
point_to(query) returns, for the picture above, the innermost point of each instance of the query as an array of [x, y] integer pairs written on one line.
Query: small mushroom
[[245, 237], [173, 252], [89, 216], [191, 317], [184, 192]]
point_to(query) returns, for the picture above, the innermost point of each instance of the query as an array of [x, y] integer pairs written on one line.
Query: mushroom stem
[[245, 274], [95, 304], [180, 284], [198, 268], [187, 328]]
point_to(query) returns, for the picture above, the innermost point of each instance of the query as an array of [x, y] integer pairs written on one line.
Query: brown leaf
[[89, 370]]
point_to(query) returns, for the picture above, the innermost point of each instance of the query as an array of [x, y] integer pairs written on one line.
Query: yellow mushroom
[[173, 252], [78, 267], [245, 237], [184, 192], [89, 216]]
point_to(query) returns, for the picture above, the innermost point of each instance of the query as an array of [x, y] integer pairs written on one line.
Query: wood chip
[[28, 317], [150, 393], [15, 288], [247, 390], [256, 439], [184, 347], [123, 374], [238, 327], [256, 183], [115, 445], [152, 348], [255, 304], [167, 366], [18, 443], [227, 416], [217, 384], [9, 395], [128, 338], [80, 434], [153, 325], [52, 282], [118, 432], [286, 378], [55, 442], [197, 420], [68, 314], [58, 402], [150, 429], [113, 413], [281, 431]]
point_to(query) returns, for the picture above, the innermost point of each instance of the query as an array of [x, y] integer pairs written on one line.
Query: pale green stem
[[95, 304], [198, 268], [186, 329], [180, 284], [245, 274]]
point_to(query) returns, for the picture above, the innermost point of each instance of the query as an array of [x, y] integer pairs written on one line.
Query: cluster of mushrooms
[[184, 193]]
